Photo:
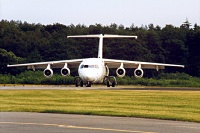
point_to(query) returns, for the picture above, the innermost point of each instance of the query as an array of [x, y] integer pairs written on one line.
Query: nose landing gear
[[88, 84]]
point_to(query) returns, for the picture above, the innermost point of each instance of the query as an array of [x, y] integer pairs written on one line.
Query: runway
[[62, 123]]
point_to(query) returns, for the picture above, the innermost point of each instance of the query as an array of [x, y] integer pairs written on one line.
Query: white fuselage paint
[[92, 70]]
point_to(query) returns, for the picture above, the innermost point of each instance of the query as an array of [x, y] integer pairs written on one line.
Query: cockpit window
[[89, 66], [96, 66]]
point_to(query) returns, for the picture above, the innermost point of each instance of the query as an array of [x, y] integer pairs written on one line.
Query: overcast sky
[[105, 12]]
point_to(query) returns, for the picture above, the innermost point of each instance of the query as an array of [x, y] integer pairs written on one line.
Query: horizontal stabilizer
[[84, 36], [103, 36], [118, 36]]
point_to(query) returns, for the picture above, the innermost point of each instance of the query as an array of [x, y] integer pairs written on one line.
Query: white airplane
[[96, 70]]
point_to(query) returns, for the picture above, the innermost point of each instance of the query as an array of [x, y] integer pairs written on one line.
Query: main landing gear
[[110, 81], [78, 81]]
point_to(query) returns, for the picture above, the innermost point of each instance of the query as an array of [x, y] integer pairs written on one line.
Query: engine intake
[[120, 72]]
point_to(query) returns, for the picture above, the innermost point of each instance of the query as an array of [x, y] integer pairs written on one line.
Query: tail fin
[[101, 36]]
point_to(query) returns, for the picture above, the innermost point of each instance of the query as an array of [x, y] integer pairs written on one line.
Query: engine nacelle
[[48, 72], [65, 71], [120, 72], [138, 73]]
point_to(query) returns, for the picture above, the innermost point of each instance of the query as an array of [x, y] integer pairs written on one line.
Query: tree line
[[22, 42]]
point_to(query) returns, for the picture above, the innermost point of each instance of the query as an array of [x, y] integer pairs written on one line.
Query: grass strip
[[170, 105]]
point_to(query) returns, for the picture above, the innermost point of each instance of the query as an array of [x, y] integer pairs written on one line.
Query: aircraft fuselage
[[92, 70]]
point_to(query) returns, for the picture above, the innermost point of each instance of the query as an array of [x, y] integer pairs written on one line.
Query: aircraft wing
[[54, 64], [112, 63]]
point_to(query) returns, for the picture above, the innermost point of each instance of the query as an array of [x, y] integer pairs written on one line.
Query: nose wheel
[[88, 84]]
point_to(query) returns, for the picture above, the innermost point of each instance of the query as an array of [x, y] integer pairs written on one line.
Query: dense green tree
[[194, 52], [8, 58]]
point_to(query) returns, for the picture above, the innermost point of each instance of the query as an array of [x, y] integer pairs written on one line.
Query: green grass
[[172, 105]]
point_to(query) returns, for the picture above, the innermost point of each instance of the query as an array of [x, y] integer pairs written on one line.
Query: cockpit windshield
[[89, 66]]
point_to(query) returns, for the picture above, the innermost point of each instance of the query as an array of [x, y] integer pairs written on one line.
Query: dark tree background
[[21, 42]]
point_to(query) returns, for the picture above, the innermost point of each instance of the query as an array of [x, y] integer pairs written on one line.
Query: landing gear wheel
[[113, 84], [110, 81], [81, 84], [108, 84], [78, 82], [88, 84]]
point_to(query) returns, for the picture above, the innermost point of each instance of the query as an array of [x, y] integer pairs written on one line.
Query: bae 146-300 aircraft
[[96, 70]]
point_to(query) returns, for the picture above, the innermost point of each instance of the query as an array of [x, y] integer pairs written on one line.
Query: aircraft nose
[[90, 78], [88, 75]]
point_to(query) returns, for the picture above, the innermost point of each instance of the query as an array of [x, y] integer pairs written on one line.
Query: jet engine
[[120, 72], [138, 73], [48, 72], [65, 71]]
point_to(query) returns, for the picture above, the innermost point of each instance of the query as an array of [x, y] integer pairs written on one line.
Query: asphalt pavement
[[24, 122]]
